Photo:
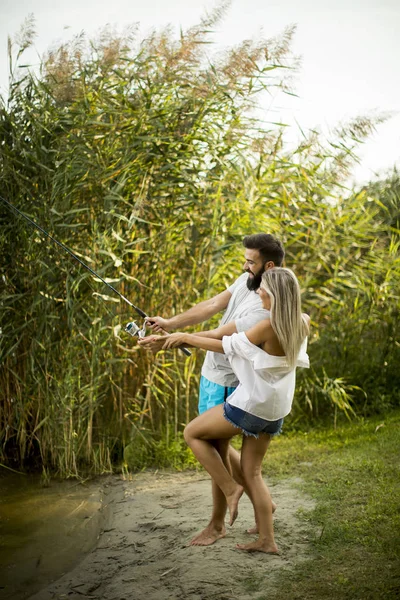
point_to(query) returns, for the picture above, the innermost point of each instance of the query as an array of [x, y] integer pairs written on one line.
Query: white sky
[[350, 52]]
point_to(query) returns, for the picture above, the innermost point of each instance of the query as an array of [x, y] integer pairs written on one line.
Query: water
[[44, 531]]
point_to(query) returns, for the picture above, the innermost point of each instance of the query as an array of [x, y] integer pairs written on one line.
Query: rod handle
[[184, 350]]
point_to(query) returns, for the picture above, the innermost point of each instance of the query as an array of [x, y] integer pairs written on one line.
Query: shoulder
[[265, 325], [261, 332], [269, 334], [306, 324], [238, 289], [241, 279], [237, 283]]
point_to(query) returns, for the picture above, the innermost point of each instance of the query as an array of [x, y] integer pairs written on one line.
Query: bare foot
[[259, 546], [232, 501], [208, 536], [254, 530]]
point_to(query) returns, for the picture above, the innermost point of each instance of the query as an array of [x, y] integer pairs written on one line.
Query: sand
[[142, 552]]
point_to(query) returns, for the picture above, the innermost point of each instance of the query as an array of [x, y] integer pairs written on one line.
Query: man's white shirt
[[246, 309]]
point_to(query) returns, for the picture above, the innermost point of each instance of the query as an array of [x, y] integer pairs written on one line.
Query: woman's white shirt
[[266, 383]]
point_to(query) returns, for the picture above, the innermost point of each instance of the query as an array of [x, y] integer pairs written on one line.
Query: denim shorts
[[250, 424], [211, 394]]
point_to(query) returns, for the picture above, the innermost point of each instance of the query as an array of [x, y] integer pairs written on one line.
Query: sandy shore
[[142, 550]]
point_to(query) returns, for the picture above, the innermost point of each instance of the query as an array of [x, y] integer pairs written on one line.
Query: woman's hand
[[175, 340], [154, 343]]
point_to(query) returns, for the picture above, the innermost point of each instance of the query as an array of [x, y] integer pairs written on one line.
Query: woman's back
[[280, 294], [271, 344], [264, 336]]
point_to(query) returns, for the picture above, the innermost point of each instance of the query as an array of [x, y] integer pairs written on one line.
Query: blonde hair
[[287, 320]]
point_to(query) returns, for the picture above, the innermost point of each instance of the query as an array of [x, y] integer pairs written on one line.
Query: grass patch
[[353, 473], [144, 450]]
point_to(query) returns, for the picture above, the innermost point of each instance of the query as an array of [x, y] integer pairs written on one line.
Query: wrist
[[171, 323]]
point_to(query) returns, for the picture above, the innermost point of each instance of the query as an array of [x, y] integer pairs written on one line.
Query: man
[[243, 309]]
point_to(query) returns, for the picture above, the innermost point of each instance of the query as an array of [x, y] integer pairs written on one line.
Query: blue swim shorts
[[250, 424], [211, 394]]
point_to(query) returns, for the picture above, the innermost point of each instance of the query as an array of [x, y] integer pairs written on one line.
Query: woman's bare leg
[[236, 470], [212, 425], [253, 452]]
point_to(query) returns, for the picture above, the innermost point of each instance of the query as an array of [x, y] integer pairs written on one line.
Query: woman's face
[[265, 298]]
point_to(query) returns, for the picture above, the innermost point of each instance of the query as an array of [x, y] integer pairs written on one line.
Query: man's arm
[[197, 314]]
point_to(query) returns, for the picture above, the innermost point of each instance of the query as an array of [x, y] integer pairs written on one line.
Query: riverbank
[[142, 552], [337, 526], [45, 531]]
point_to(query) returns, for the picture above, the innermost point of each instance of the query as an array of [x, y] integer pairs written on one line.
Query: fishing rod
[[132, 328]]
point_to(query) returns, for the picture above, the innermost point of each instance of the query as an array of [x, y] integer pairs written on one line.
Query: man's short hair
[[268, 246]]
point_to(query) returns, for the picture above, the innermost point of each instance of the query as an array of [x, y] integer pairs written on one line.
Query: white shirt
[[246, 309], [266, 387]]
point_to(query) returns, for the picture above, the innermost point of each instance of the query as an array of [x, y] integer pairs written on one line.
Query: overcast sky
[[350, 52]]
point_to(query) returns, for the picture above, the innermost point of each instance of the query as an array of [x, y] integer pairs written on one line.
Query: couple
[[247, 382]]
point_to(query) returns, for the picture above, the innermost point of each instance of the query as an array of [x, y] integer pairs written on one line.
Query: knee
[[251, 474], [188, 434]]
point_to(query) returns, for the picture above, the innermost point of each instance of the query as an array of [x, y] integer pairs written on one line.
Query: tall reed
[[146, 158]]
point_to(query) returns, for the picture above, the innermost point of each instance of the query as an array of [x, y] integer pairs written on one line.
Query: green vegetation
[[151, 159], [353, 473]]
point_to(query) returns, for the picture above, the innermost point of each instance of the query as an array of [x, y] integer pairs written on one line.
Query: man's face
[[255, 267]]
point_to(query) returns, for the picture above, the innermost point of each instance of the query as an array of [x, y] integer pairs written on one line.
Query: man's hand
[[153, 343], [158, 324], [175, 340]]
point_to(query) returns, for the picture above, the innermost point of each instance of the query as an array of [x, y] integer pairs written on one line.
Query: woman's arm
[[189, 339], [210, 340], [197, 340], [219, 332], [155, 343], [257, 335]]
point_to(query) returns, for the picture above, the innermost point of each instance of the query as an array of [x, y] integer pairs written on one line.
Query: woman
[[264, 360]]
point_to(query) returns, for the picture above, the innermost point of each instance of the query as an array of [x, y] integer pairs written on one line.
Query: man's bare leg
[[215, 529], [211, 425]]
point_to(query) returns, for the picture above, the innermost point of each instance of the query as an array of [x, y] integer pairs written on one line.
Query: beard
[[254, 281]]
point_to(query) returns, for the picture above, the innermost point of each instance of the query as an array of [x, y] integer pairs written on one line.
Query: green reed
[[146, 158]]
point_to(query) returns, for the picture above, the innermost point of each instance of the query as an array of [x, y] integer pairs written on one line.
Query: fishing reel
[[134, 330]]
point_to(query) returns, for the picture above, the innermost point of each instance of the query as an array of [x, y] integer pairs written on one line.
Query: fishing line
[[131, 328], [32, 222]]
